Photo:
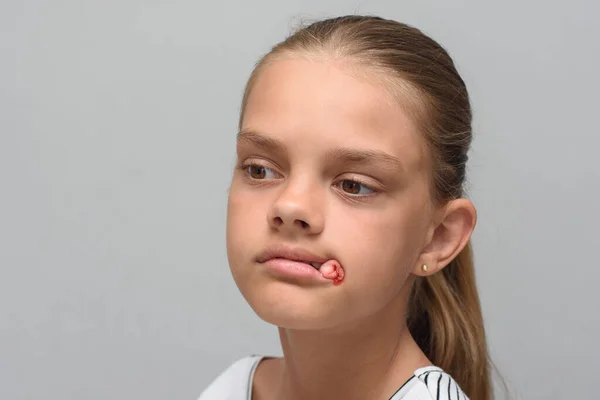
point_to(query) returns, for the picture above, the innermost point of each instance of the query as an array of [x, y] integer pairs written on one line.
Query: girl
[[347, 227]]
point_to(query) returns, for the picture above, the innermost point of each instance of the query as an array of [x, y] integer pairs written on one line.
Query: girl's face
[[328, 163]]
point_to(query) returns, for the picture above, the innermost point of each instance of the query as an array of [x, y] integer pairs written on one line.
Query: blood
[[333, 270]]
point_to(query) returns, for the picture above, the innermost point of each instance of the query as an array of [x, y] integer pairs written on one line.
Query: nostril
[[278, 221], [303, 224]]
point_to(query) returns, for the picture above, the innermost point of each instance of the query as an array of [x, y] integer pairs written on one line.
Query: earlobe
[[424, 270], [449, 237]]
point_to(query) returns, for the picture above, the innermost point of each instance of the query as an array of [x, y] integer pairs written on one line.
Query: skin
[[373, 215]]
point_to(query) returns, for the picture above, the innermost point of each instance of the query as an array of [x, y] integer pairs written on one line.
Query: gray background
[[117, 126]]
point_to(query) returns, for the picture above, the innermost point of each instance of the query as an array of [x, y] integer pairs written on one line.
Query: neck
[[367, 359]]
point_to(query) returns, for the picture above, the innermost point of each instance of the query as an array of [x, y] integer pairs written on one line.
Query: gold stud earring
[[424, 268]]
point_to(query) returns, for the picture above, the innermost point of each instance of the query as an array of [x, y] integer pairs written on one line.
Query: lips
[[292, 253], [315, 265]]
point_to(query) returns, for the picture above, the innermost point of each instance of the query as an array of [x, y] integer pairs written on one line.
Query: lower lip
[[293, 269]]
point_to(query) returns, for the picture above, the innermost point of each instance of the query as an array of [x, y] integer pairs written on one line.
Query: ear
[[448, 236]]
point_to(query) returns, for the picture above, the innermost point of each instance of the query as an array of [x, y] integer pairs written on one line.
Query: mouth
[[299, 264], [292, 254], [315, 265]]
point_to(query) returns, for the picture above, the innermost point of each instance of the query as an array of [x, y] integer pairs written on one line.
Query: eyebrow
[[372, 157], [339, 154], [250, 137]]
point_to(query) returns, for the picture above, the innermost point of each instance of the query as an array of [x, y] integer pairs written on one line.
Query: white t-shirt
[[428, 383]]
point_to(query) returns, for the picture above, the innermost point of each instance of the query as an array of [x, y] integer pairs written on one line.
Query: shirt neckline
[[259, 358]]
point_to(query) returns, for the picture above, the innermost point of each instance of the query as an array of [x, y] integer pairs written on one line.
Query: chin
[[292, 307]]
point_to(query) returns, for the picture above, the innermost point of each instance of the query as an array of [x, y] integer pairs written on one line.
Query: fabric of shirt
[[428, 383]]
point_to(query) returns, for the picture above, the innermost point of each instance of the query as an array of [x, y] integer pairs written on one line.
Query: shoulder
[[430, 383], [234, 383]]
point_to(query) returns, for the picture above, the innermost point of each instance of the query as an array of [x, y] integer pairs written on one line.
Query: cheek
[[244, 221], [247, 233], [379, 250], [246, 212]]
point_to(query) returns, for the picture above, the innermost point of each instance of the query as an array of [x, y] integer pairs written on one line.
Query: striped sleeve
[[440, 385]]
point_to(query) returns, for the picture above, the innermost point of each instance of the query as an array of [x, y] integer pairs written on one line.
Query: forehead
[[309, 101]]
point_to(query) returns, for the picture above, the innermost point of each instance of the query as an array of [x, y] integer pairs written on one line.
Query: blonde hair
[[444, 313]]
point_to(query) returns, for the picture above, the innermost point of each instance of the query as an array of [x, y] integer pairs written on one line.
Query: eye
[[355, 188], [259, 172]]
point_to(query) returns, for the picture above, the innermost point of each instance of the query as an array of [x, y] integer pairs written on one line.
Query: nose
[[297, 210]]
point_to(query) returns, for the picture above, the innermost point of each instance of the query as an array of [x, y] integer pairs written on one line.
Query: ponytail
[[446, 321]]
